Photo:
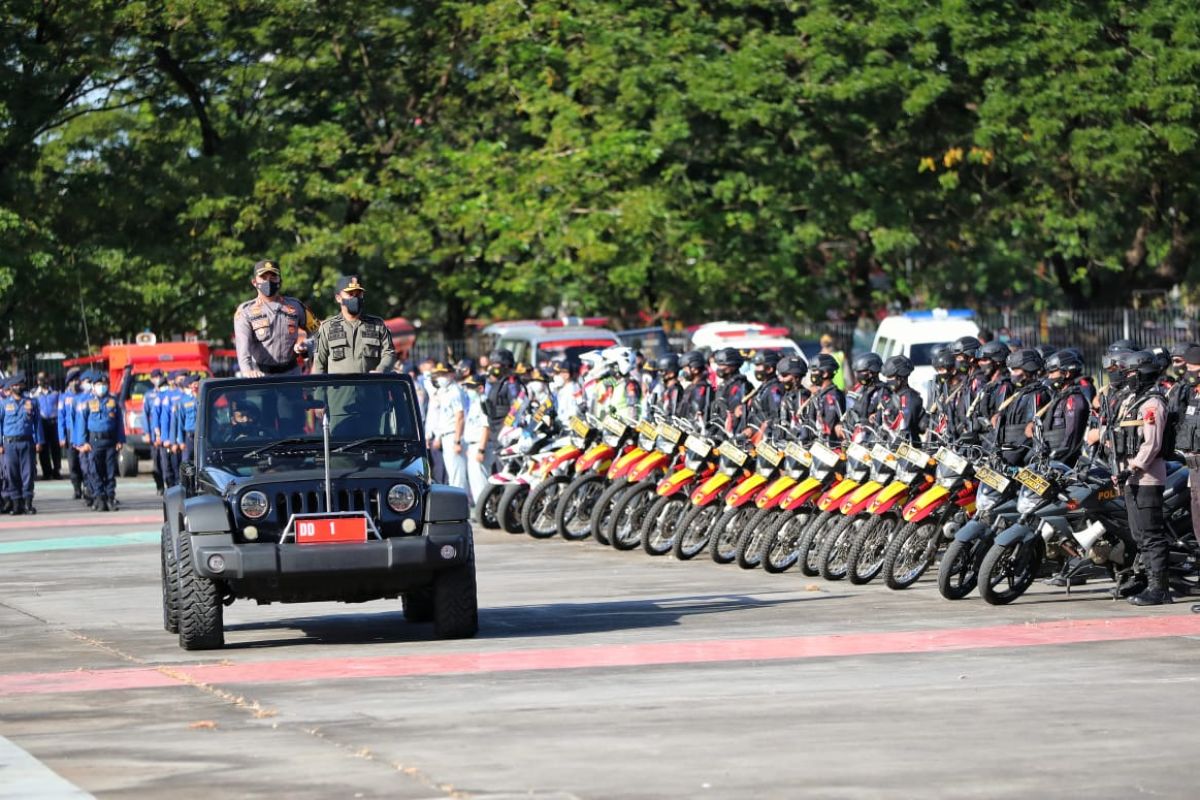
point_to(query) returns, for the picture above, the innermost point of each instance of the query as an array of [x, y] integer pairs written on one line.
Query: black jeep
[[313, 488]]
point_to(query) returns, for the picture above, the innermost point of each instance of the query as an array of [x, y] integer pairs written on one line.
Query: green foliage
[[686, 158]]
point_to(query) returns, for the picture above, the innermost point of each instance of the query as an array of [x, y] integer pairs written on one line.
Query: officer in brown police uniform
[[267, 330]]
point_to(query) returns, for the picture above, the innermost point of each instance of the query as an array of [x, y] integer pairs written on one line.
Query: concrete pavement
[[597, 674]]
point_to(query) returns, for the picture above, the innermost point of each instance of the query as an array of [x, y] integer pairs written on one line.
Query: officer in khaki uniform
[[267, 330], [352, 341]]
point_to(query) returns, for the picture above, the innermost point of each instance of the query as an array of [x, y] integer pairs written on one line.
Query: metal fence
[[1092, 330]]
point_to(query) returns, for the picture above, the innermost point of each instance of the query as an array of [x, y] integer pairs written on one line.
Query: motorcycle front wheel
[[573, 517], [868, 549], [1008, 571], [625, 526], [537, 517], [487, 505], [958, 574], [780, 546], [751, 530], [661, 524], [512, 502], [910, 554], [602, 513]]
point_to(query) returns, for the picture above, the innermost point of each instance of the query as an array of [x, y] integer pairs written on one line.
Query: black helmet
[[823, 362], [1066, 360], [1026, 359], [897, 367], [1162, 357], [564, 365], [995, 351], [668, 363], [766, 358], [867, 362], [1046, 350], [693, 358], [1179, 349], [965, 346], [1112, 359], [1124, 344], [1142, 362], [503, 357], [465, 367], [728, 357], [795, 366], [944, 359]]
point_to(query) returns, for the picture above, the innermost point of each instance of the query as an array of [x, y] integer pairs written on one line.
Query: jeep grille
[[313, 502]]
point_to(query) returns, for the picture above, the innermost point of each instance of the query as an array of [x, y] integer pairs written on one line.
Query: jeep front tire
[[455, 603], [201, 613]]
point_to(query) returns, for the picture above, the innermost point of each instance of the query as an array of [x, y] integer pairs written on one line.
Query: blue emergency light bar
[[941, 313]]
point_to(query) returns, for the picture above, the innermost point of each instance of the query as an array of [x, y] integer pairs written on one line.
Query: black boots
[[1157, 593]]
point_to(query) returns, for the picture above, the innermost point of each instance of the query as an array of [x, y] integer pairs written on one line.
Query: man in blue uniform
[[184, 420], [149, 411], [47, 399], [104, 423], [20, 440], [66, 428], [168, 399]]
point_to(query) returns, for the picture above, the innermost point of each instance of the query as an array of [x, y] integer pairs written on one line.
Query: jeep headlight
[[401, 498], [254, 504]]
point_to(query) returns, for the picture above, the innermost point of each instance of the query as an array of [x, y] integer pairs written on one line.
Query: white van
[[916, 333]]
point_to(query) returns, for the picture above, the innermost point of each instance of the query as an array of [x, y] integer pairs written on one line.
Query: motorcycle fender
[[973, 530], [859, 499], [595, 457], [705, 493], [836, 492], [674, 482], [621, 466], [891, 494], [926, 503], [647, 465], [800, 494], [774, 494], [562, 456], [1016, 534], [745, 491]]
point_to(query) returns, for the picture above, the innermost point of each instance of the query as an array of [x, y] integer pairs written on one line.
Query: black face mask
[[1192, 378], [760, 375], [268, 288], [353, 305], [944, 377], [1117, 379]]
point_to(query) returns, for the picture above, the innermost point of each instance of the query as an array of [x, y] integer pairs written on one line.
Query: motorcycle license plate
[[579, 427], [918, 458], [698, 446], [331, 530], [881, 453], [771, 454], [647, 429], [670, 433], [951, 460], [823, 454], [798, 453], [859, 453], [992, 479], [731, 452], [615, 425], [1033, 482]]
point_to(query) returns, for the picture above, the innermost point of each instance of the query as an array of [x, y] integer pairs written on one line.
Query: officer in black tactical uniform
[[1187, 436], [1014, 416], [729, 409], [791, 371], [698, 397], [1064, 420], [764, 402]]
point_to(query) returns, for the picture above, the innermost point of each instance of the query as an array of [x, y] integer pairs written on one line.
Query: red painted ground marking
[[698, 652], [48, 521]]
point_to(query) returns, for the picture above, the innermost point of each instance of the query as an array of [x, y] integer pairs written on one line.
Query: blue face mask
[[353, 305]]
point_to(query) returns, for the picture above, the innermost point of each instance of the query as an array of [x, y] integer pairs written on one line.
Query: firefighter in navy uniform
[[698, 396], [21, 432], [1187, 436], [729, 408], [1014, 417], [1138, 443], [764, 402], [791, 371], [902, 410], [827, 408]]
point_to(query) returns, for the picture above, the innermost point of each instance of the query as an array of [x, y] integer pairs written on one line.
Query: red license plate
[[335, 530]]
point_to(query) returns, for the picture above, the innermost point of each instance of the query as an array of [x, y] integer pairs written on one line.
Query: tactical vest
[[1127, 434], [371, 333], [1187, 436], [1014, 417], [1054, 431]]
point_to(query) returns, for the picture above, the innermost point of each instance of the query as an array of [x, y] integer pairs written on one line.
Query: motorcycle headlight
[[401, 498], [254, 504]]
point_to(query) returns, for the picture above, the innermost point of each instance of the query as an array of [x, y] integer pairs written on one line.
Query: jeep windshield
[[253, 426]]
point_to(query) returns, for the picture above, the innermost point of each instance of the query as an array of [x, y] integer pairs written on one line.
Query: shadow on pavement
[[509, 622]]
